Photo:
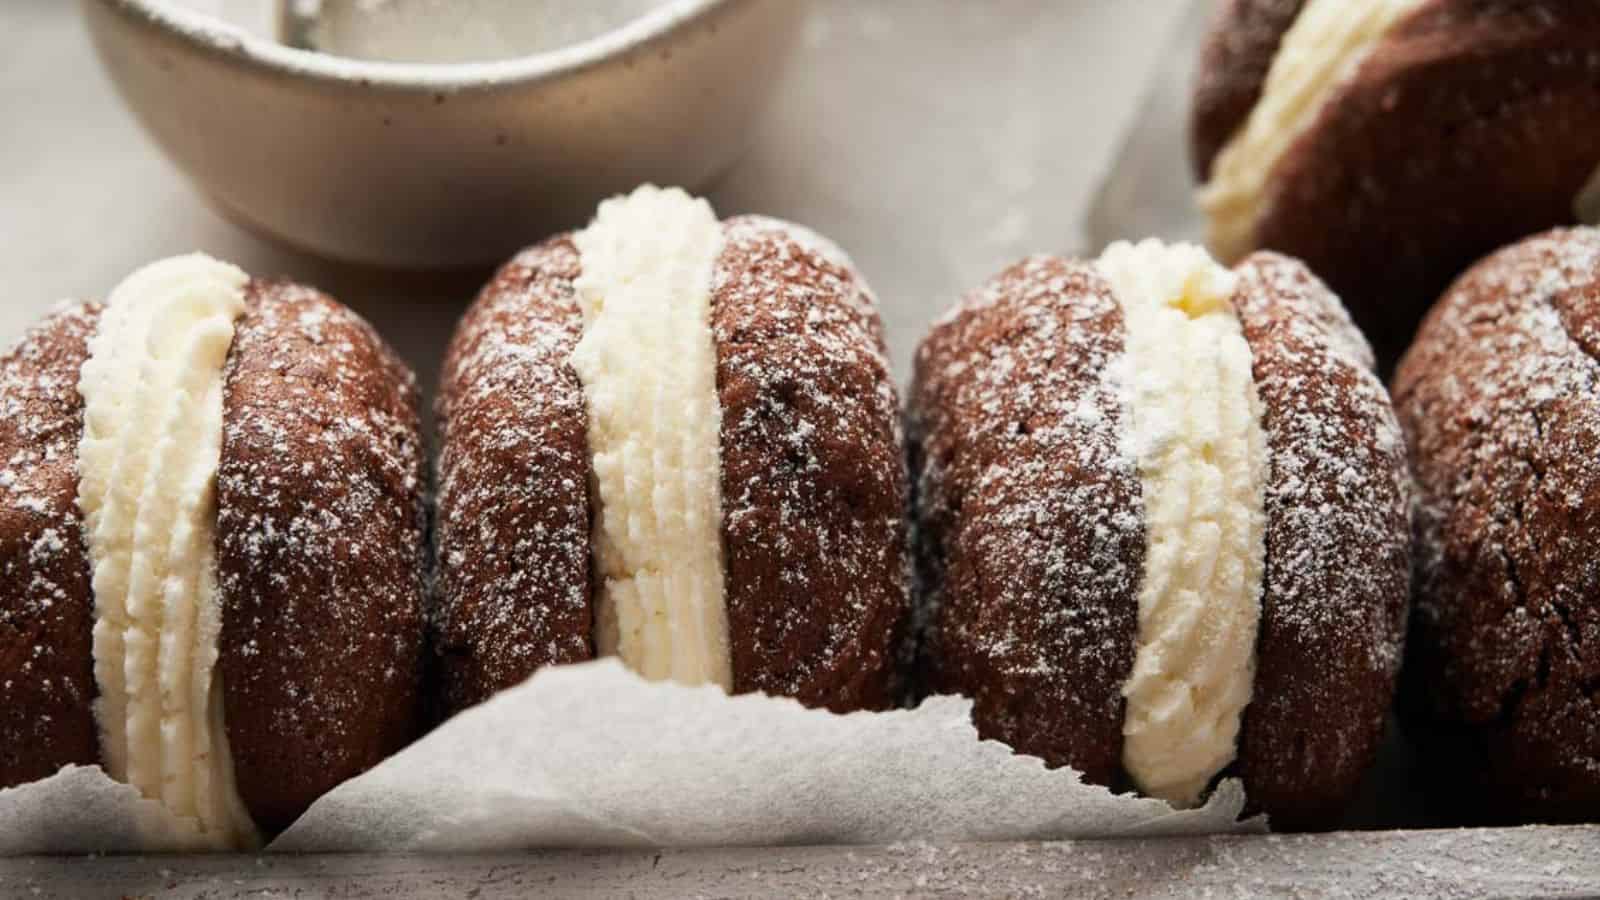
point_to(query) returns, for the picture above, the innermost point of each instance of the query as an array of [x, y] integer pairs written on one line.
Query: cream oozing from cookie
[[1327, 43], [648, 365], [147, 462], [1194, 429]]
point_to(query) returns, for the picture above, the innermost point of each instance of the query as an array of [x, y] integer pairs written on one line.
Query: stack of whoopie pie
[[666, 437], [1162, 510]]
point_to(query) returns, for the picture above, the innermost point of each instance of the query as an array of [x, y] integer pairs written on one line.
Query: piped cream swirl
[[1319, 52], [1194, 430], [148, 459], [648, 366]]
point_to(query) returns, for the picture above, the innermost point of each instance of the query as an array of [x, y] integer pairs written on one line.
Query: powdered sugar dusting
[[1337, 458], [1498, 399], [514, 515], [809, 240], [813, 472], [1032, 539], [46, 611], [813, 480], [320, 548], [1033, 534], [1335, 588]]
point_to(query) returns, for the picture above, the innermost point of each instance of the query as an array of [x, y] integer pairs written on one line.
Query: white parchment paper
[[81, 810], [593, 756]]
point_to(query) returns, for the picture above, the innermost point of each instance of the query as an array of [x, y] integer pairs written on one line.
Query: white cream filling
[[147, 462], [1194, 429], [1323, 48], [649, 371]]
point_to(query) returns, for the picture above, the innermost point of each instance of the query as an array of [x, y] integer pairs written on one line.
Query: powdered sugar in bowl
[[416, 165]]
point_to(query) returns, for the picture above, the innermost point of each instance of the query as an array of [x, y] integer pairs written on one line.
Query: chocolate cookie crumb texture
[[1498, 399]]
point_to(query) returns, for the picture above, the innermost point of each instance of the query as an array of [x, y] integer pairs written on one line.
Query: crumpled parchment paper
[[591, 755]]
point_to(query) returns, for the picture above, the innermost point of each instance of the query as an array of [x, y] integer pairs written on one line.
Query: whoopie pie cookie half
[[1392, 143], [1500, 401], [674, 440], [211, 547], [1162, 524]]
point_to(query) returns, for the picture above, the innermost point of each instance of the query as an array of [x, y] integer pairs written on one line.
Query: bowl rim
[[233, 43]]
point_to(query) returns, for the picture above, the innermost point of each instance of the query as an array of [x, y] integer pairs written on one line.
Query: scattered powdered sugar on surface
[[1498, 397]]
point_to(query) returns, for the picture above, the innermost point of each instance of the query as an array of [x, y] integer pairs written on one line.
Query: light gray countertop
[[1522, 863]]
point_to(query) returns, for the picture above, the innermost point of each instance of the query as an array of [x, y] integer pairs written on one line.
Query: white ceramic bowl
[[430, 165]]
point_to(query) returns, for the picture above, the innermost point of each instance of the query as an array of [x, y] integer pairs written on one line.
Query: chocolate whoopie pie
[[1500, 401], [211, 547], [674, 440], [1162, 524], [1392, 143]]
